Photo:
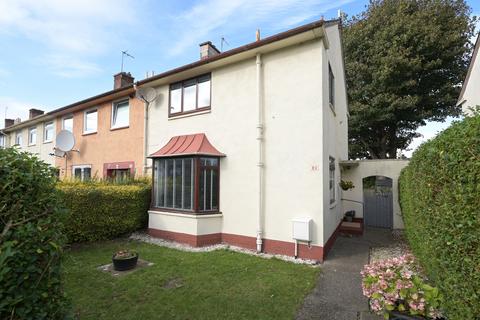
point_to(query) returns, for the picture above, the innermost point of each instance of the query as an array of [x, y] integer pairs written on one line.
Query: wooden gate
[[378, 202]]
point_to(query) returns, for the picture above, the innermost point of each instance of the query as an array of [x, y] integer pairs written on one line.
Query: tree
[[405, 61]]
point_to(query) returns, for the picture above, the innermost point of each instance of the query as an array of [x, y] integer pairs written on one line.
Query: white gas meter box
[[302, 229]]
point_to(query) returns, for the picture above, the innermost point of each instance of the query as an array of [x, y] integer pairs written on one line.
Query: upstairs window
[[331, 176], [68, 123], [331, 87], [190, 95], [18, 138], [120, 114], [187, 184], [90, 121], [32, 136], [48, 132]]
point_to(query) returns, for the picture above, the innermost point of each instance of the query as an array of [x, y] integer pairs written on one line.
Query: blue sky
[[55, 52]]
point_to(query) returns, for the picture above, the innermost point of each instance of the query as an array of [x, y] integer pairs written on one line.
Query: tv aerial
[[125, 53], [147, 94]]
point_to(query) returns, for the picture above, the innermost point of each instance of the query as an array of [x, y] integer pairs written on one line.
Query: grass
[[207, 285]]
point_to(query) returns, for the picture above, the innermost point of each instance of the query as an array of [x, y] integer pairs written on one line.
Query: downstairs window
[[187, 184]]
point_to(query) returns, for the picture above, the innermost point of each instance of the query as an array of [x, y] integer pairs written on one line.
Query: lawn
[[208, 285]]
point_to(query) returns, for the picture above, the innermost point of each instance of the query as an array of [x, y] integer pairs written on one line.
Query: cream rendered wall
[[41, 149], [471, 95], [384, 167], [293, 140], [335, 130]]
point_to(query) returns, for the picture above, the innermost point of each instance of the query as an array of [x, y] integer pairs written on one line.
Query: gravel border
[[400, 247], [144, 237]]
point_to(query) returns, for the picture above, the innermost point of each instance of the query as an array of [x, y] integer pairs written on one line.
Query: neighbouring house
[[470, 95], [108, 130], [245, 145], [35, 135]]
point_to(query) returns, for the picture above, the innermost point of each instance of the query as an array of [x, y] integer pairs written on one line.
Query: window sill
[[32, 144], [185, 214], [333, 109], [188, 114], [333, 204], [89, 133], [119, 128], [48, 141]]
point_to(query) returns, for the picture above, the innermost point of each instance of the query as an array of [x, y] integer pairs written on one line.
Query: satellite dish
[[65, 141], [59, 153], [147, 94]]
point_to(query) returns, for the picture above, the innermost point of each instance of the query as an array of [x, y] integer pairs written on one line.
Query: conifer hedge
[[440, 200], [99, 210], [30, 239]]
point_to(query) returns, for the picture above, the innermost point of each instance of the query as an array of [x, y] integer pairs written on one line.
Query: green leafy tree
[[31, 239], [405, 61]]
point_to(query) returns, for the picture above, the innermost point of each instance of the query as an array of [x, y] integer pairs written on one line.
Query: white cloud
[[78, 29], [195, 24], [429, 131], [14, 108], [71, 67]]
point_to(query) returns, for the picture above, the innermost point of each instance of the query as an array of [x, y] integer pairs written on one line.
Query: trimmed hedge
[[440, 200], [100, 211], [30, 239]]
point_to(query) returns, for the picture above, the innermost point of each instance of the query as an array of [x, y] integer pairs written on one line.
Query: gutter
[[260, 138]]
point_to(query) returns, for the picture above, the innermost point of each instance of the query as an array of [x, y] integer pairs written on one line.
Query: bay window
[[187, 184], [190, 95]]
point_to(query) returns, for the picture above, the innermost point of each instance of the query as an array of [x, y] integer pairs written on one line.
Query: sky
[[56, 52]]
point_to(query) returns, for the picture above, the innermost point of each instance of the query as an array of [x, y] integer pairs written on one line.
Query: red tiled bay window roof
[[192, 144]]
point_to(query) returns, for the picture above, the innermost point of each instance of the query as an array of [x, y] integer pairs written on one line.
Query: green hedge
[[30, 239], [440, 200], [99, 211]]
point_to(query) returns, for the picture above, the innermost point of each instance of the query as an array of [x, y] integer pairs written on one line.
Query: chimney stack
[[208, 50], [9, 123], [34, 113], [122, 79]]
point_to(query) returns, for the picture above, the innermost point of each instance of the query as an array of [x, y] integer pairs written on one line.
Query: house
[[244, 145], [108, 130], [470, 95], [35, 135]]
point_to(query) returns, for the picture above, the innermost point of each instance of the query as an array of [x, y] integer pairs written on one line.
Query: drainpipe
[[145, 139], [260, 151]]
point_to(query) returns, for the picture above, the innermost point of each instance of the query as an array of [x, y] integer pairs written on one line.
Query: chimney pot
[[9, 122], [122, 79], [257, 35], [32, 113], [208, 50]]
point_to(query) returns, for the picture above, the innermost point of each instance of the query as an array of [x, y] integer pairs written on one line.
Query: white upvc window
[[331, 178], [120, 114], [48, 132], [82, 172], [18, 138], [90, 121], [67, 123], [32, 136], [2, 140]]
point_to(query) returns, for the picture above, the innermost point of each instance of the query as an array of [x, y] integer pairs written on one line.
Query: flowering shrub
[[395, 284]]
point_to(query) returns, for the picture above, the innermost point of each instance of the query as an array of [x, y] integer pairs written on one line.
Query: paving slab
[[338, 293]]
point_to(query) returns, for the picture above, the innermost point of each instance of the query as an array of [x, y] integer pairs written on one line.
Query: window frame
[[332, 180], [19, 134], [30, 143], [45, 132], [331, 87], [3, 140], [91, 110], [112, 120], [205, 108], [63, 122], [197, 166], [82, 167]]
